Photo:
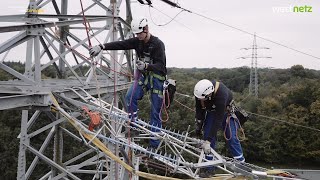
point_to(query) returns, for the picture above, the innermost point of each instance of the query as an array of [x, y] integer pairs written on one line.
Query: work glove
[[142, 65], [95, 50], [199, 125], [206, 147]]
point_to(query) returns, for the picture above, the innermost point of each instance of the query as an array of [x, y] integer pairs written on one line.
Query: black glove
[[199, 125]]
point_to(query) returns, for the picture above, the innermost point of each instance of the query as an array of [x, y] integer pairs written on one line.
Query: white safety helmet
[[203, 88], [137, 25]]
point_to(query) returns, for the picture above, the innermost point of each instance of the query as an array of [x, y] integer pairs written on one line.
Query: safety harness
[[146, 57], [232, 111], [150, 75]]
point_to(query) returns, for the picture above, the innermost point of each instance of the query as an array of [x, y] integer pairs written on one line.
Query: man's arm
[[127, 44], [200, 111], [199, 117]]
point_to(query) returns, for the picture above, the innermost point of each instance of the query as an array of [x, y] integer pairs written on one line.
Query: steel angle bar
[[5, 56], [123, 141], [87, 162], [79, 157], [69, 49], [38, 2], [33, 119], [79, 65], [17, 101], [85, 10], [46, 176], [29, 27], [41, 150], [19, 38], [70, 16], [87, 47], [78, 94], [95, 61], [209, 163], [78, 104], [109, 11], [52, 163], [180, 156], [71, 134], [43, 4], [76, 60], [90, 172], [173, 165], [64, 60], [47, 51], [103, 89], [238, 168], [48, 126], [59, 177], [13, 18]]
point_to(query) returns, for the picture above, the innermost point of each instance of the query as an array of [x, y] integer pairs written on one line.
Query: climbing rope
[[228, 127], [164, 106]]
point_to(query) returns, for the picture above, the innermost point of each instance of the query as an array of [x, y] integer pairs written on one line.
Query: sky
[[196, 40]]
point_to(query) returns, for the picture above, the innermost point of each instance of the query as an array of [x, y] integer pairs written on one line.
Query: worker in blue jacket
[[213, 103], [152, 67]]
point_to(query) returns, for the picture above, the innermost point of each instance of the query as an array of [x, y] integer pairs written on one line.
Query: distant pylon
[[254, 85]]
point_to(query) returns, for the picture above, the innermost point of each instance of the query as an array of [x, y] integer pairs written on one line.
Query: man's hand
[[141, 65], [199, 125], [95, 50], [206, 147]]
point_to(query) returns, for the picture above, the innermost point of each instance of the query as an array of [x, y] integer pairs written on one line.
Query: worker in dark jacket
[[152, 66], [213, 111]]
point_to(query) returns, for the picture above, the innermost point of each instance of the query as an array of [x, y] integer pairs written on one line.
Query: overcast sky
[[194, 41]]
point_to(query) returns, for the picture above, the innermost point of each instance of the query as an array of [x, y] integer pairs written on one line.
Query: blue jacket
[[216, 103]]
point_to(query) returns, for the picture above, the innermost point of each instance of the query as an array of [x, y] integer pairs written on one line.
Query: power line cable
[[171, 18], [241, 30], [272, 118], [283, 121]]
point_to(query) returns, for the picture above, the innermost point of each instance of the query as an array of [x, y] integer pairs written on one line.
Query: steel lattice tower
[[57, 40], [254, 85]]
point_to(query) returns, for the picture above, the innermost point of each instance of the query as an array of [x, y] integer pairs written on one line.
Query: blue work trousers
[[136, 92], [231, 135]]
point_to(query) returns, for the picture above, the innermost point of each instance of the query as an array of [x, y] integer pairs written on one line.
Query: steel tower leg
[[24, 141]]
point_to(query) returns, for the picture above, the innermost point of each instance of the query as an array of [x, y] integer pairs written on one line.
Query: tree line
[[283, 127]]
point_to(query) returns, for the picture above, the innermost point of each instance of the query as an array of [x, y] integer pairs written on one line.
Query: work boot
[[206, 173]]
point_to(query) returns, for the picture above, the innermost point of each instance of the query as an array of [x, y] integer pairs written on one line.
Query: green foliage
[[285, 95]]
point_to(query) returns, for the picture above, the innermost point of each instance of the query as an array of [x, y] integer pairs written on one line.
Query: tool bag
[[241, 114], [169, 88]]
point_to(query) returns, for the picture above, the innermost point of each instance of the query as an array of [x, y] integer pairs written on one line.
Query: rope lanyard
[[228, 127], [88, 28], [85, 24], [163, 106]]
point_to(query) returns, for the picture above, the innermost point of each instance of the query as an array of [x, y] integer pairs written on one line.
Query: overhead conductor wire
[[238, 29]]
